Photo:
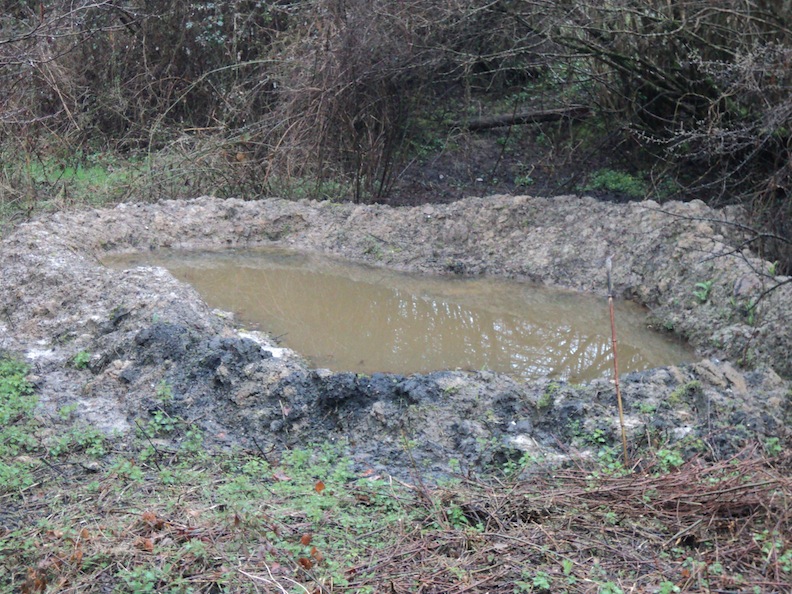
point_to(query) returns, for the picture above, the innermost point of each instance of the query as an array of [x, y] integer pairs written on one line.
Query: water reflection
[[349, 317]]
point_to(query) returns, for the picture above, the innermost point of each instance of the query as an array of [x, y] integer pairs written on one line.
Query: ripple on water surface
[[349, 317]]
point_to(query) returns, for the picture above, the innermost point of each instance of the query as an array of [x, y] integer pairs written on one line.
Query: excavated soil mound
[[135, 331]]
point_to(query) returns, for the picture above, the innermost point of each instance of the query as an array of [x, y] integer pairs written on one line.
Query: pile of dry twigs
[[702, 527]]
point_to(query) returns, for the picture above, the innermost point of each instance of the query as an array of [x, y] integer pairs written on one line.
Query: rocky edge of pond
[[144, 341]]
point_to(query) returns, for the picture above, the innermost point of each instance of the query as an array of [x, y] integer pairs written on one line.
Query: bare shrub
[[647, 53], [115, 69], [744, 144], [323, 89], [706, 83], [361, 70]]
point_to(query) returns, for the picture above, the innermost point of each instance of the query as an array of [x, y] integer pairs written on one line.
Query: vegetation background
[[400, 102]]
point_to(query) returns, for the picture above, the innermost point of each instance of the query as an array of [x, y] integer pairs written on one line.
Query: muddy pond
[[349, 317]]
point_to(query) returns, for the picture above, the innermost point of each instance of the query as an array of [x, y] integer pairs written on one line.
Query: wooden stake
[[609, 266]]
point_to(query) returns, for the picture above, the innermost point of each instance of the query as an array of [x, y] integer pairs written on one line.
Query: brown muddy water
[[349, 317]]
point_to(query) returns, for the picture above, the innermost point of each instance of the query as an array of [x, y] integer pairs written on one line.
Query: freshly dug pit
[[139, 329], [365, 319]]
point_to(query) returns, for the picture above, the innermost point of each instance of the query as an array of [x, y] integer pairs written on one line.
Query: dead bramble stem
[[609, 266]]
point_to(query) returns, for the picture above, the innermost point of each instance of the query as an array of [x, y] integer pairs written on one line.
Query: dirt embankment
[[141, 329]]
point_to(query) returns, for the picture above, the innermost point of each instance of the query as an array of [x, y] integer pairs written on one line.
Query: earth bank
[[137, 331]]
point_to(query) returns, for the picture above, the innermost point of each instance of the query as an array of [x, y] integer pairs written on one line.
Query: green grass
[[81, 176], [63, 176], [147, 521], [164, 511], [17, 427], [54, 182], [619, 182], [48, 181]]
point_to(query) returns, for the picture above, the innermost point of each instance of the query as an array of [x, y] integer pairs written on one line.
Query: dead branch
[[576, 112]]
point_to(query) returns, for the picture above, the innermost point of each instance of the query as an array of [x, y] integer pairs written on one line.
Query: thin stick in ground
[[609, 266]]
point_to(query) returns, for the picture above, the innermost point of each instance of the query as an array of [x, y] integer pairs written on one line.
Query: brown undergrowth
[[307, 523], [721, 527]]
